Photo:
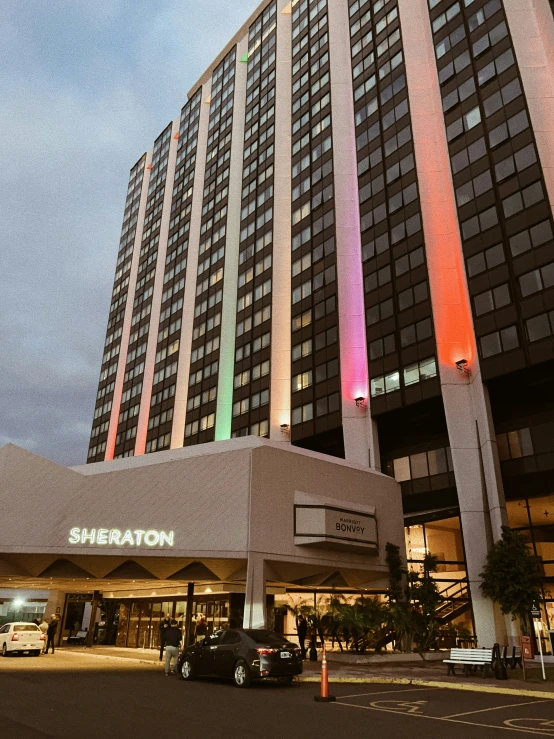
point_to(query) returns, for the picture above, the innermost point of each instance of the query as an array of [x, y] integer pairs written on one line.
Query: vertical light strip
[[183, 370], [532, 29], [224, 408], [122, 360], [360, 441], [280, 395], [467, 411], [149, 360]]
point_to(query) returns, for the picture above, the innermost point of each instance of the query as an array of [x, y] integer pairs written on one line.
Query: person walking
[[51, 633], [44, 628], [173, 639], [164, 625], [302, 630]]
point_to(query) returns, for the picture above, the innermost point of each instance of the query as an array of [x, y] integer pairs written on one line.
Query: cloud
[[86, 88]]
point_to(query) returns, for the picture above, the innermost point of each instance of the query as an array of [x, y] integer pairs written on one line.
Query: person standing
[[44, 628], [51, 633], [164, 625], [173, 639], [201, 629], [302, 630]]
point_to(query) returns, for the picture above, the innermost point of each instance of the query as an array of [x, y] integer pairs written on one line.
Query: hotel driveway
[[76, 696]]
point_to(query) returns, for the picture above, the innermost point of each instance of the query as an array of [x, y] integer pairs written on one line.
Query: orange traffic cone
[[324, 696]]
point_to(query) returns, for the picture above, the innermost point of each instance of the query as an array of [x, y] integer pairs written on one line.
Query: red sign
[[527, 648]]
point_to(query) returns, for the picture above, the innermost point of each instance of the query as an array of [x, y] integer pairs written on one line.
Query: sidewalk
[[432, 674]]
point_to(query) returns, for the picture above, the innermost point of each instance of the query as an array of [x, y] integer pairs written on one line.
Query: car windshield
[[26, 627], [260, 636]]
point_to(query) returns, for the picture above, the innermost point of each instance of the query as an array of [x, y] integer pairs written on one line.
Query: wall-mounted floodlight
[[462, 365], [285, 428], [360, 402]]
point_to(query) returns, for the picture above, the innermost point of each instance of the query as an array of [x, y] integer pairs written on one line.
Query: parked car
[[21, 637], [242, 655]]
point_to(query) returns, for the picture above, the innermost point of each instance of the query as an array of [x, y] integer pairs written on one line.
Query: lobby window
[[514, 444]]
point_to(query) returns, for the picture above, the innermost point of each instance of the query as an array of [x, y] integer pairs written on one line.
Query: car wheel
[[242, 675], [186, 669], [4, 650], [286, 679]]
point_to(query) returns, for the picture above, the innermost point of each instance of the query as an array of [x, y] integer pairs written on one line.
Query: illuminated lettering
[[75, 536], [86, 536], [118, 538], [152, 538], [115, 535], [102, 536], [166, 538], [127, 538], [139, 534]]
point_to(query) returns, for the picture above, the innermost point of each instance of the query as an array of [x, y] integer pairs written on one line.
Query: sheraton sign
[[119, 538]]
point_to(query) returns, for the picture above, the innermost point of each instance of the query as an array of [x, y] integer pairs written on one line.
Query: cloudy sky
[[86, 86]]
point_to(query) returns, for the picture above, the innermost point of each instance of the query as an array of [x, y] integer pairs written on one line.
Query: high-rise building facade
[[345, 242]]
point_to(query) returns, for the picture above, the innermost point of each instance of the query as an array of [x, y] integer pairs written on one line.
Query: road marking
[[401, 706], [535, 732], [498, 708], [384, 692], [537, 729]]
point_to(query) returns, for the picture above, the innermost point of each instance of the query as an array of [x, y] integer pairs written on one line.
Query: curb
[[434, 684], [119, 659], [549, 695]]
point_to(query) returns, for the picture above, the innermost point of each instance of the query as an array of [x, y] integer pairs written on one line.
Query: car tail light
[[41, 638], [266, 650], [15, 637]]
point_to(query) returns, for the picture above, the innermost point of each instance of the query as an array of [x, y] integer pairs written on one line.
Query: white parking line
[[384, 692], [497, 708], [535, 732]]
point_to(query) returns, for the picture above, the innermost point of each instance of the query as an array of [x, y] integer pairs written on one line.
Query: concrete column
[[146, 396], [532, 29], [255, 611], [280, 395], [466, 404], [124, 345], [224, 409], [183, 369], [360, 438]]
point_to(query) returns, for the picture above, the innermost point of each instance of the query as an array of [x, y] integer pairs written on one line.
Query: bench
[[470, 659], [514, 659], [79, 638]]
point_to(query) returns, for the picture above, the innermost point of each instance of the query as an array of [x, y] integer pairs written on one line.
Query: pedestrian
[[173, 639], [302, 630], [51, 633], [37, 621], [164, 625], [44, 628], [201, 629]]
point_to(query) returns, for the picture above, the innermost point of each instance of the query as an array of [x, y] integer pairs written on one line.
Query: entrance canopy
[[247, 512]]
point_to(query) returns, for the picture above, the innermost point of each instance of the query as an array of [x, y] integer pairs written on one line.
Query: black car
[[242, 655]]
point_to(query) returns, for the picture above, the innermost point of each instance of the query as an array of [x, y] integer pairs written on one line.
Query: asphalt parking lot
[[78, 696]]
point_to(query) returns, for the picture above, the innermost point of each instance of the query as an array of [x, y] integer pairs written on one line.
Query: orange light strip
[[454, 332]]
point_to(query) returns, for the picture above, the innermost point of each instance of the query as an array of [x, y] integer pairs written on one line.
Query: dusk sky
[[86, 86]]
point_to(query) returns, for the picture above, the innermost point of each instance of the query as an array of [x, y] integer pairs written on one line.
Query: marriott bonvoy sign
[[335, 527], [121, 538]]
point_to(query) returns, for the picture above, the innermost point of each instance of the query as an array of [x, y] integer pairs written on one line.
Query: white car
[[21, 637]]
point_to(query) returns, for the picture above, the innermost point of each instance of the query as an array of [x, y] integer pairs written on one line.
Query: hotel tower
[[345, 242]]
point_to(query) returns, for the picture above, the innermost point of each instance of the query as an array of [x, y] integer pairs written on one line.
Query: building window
[[514, 444]]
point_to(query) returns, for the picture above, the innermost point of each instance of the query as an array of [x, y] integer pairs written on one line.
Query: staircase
[[456, 602]]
